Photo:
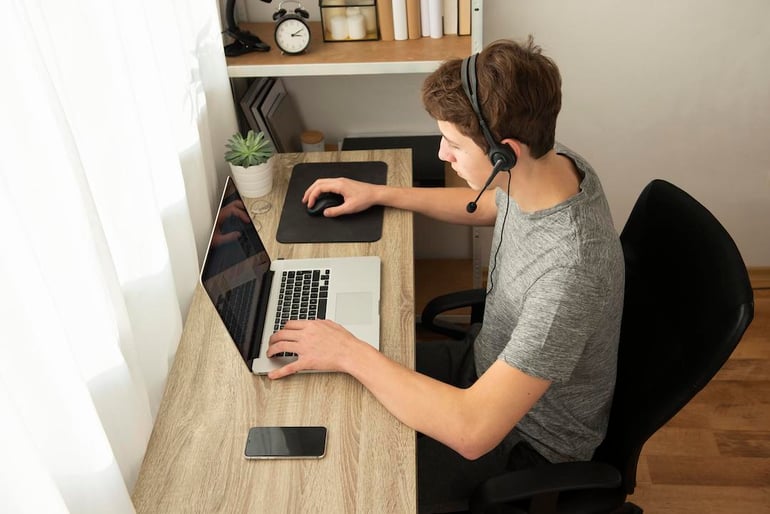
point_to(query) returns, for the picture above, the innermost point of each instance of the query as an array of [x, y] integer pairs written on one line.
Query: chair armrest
[[543, 484], [473, 298]]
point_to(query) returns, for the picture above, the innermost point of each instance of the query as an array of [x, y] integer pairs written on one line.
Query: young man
[[536, 383]]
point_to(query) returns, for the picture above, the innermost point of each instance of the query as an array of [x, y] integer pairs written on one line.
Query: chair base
[[629, 508]]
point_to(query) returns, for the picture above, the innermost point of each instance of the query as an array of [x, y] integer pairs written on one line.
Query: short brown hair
[[519, 90]]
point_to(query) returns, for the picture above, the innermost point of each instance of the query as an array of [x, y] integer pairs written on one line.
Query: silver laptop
[[255, 296]]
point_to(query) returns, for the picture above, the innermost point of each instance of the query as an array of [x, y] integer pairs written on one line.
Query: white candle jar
[[359, 17]]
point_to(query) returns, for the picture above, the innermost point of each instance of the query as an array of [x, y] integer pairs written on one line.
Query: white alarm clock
[[292, 33]]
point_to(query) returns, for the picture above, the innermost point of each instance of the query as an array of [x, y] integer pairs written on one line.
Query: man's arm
[[470, 421], [442, 203]]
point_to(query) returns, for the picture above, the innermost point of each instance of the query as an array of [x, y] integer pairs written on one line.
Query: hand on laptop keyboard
[[303, 295]]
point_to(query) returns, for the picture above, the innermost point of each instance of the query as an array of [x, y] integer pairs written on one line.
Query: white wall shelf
[[348, 58], [354, 58]]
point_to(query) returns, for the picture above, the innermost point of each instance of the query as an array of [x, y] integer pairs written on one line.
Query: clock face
[[292, 35]]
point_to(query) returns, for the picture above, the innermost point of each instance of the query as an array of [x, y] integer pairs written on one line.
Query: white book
[[425, 17], [436, 9], [450, 17], [400, 31]]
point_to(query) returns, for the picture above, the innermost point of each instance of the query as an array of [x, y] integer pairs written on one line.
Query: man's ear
[[515, 145]]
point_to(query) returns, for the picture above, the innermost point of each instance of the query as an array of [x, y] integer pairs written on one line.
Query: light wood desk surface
[[194, 460]]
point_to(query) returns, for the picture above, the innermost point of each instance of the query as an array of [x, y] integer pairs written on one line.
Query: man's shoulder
[[581, 162], [563, 149]]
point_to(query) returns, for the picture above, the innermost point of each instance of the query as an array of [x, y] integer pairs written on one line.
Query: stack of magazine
[[267, 107]]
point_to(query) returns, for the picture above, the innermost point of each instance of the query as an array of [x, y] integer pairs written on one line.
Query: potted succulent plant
[[250, 162]]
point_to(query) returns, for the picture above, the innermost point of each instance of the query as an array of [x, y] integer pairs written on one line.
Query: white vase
[[254, 181]]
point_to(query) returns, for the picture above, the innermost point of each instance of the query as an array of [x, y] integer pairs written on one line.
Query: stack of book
[[413, 19], [266, 106]]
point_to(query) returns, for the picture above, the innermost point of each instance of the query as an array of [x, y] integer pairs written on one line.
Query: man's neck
[[539, 184]]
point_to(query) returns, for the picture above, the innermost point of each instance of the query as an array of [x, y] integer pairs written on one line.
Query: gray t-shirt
[[554, 312]]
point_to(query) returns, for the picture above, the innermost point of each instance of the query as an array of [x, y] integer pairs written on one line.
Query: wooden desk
[[194, 460]]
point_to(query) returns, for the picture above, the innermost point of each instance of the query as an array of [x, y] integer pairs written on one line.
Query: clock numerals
[[292, 35]]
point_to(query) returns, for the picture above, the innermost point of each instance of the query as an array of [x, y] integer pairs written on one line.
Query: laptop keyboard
[[303, 295]]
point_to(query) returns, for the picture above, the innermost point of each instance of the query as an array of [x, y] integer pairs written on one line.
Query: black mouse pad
[[297, 226]]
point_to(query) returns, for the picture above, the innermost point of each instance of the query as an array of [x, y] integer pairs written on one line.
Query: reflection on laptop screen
[[235, 270]]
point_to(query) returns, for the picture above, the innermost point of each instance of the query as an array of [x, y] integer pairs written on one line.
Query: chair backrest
[[688, 302]]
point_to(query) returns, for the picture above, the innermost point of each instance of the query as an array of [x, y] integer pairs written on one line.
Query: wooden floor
[[714, 456]]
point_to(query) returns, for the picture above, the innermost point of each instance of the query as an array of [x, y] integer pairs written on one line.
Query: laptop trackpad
[[353, 308]]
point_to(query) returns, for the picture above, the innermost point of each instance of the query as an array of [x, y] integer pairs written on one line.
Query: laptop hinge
[[264, 293]]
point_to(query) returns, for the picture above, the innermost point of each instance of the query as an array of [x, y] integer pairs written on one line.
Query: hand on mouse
[[359, 196], [325, 201]]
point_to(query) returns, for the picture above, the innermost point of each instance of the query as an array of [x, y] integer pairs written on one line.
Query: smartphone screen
[[286, 443]]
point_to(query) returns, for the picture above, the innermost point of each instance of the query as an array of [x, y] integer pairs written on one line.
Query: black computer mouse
[[323, 202]]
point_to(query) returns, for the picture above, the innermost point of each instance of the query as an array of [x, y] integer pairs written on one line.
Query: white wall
[[676, 89]]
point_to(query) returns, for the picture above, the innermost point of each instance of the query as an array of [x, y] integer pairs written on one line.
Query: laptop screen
[[235, 271]]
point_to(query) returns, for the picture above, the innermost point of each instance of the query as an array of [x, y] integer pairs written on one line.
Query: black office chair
[[688, 302]]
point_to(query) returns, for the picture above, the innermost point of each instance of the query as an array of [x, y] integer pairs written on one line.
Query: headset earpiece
[[500, 155], [302, 12], [278, 14]]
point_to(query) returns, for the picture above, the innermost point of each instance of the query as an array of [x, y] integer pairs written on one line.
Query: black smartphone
[[286, 443]]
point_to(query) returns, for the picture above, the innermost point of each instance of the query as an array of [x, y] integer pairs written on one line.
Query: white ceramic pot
[[254, 181]]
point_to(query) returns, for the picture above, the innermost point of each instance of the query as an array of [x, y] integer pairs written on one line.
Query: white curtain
[[113, 116]]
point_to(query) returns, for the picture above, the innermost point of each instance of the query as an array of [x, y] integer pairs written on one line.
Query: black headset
[[497, 152], [502, 156], [281, 11]]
